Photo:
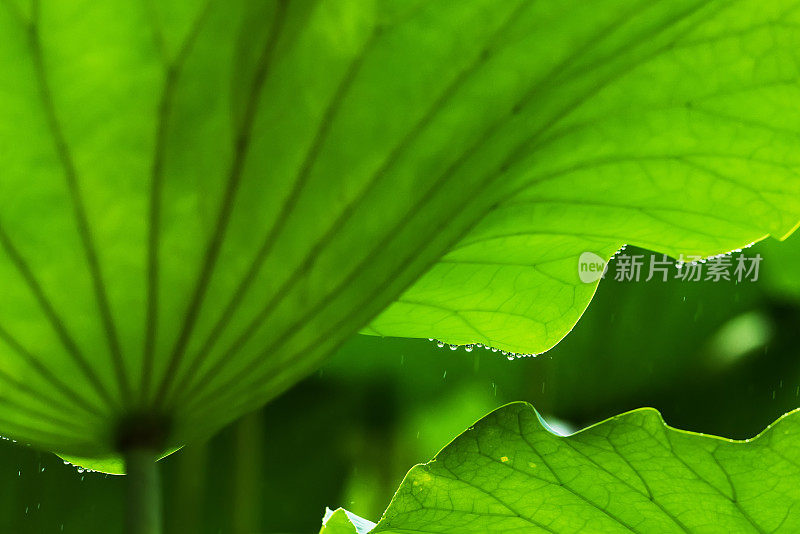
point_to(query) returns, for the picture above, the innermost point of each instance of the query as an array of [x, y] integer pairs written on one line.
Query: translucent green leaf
[[653, 124], [200, 200], [631, 473]]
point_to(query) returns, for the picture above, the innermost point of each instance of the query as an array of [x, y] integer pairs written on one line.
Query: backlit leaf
[[200, 200], [631, 473]]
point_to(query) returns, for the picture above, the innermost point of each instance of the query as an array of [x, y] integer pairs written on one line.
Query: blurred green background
[[719, 358]]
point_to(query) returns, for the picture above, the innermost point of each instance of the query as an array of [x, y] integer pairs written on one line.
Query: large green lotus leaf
[[631, 473], [200, 200], [645, 133]]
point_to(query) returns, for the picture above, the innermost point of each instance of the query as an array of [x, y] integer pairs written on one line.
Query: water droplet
[[440, 344], [453, 347], [468, 348]]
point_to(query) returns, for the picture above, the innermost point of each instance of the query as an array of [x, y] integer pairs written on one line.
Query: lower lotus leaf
[[510, 473]]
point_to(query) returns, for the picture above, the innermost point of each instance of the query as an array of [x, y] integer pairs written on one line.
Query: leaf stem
[[143, 514]]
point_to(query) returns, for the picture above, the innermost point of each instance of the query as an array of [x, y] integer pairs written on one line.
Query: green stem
[[143, 514]]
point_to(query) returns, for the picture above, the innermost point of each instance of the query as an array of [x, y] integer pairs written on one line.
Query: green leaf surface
[[640, 119], [631, 473], [200, 200]]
